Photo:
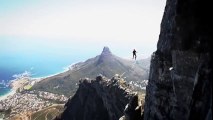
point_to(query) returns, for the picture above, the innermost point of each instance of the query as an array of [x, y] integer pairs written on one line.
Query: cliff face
[[180, 80], [99, 99]]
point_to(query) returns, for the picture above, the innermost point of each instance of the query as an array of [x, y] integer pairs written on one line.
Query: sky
[[82, 26]]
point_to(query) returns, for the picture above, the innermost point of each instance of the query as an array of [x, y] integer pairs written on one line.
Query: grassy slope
[[65, 83]]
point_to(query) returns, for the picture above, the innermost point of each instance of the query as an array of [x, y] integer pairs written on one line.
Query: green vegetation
[[48, 113], [27, 87], [108, 65]]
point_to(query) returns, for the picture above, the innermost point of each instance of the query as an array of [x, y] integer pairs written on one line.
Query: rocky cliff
[[100, 99], [180, 80]]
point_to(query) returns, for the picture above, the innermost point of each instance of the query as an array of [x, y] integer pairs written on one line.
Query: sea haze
[[43, 57], [39, 57]]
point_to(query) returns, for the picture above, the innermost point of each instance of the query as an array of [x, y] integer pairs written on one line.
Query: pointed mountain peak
[[106, 55], [106, 51]]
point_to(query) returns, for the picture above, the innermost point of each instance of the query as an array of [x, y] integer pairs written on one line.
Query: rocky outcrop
[[100, 99], [106, 55], [133, 110], [180, 80]]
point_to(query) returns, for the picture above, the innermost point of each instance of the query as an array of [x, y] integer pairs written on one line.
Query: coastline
[[13, 87], [12, 92], [41, 78], [67, 68], [37, 79]]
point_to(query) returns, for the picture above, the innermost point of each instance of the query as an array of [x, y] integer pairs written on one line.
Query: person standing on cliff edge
[[134, 54]]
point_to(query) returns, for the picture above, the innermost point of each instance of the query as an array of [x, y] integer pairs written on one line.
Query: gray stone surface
[[180, 79], [99, 99]]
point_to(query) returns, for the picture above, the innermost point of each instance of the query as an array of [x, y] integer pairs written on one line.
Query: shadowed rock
[[180, 79], [99, 99]]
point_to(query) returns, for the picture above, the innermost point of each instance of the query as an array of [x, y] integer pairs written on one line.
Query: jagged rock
[[133, 110], [106, 51], [106, 55], [99, 99], [180, 79], [201, 104]]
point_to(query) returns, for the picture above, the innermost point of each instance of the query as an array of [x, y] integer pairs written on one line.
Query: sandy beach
[[20, 83], [15, 84], [12, 92]]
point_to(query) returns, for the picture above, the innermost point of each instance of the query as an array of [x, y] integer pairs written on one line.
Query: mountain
[[144, 63], [100, 99], [106, 64], [180, 81]]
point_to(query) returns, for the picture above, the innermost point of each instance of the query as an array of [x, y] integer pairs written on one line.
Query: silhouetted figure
[[134, 54]]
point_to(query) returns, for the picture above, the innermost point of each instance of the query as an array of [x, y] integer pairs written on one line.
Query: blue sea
[[38, 57], [11, 69]]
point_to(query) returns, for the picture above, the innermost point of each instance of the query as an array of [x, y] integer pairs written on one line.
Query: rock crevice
[[99, 99], [180, 79]]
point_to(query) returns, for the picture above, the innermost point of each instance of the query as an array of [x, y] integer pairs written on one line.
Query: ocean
[[4, 89], [37, 57], [11, 69], [41, 57], [42, 67]]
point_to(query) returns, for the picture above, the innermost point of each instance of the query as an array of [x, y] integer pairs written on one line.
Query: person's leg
[[134, 56]]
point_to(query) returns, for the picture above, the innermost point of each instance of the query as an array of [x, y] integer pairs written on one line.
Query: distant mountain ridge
[[106, 64]]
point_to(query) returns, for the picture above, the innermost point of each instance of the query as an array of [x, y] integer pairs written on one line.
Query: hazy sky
[[82, 24]]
